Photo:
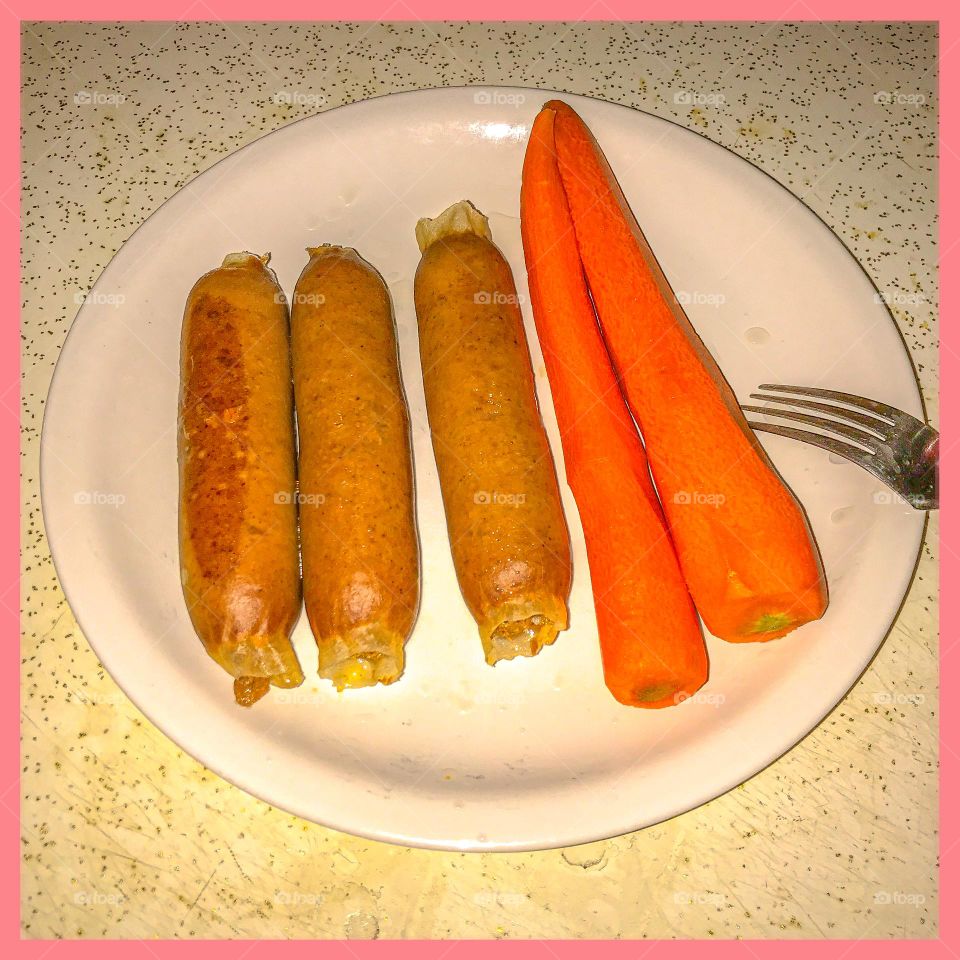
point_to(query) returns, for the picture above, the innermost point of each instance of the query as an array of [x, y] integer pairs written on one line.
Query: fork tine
[[846, 450], [864, 419], [881, 409], [841, 429]]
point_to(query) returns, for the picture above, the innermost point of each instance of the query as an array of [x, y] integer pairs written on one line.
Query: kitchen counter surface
[[125, 836]]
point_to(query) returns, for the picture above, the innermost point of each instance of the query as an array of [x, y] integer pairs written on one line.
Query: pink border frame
[[949, 943]]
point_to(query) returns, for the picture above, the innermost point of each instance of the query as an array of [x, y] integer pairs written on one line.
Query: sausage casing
[[236, 449], [361, 571], [506, 525]]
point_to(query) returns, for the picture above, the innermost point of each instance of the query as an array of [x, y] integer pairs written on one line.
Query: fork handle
[[922, 485]]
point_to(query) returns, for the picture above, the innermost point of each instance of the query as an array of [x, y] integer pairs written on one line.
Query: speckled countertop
[[125, 836]]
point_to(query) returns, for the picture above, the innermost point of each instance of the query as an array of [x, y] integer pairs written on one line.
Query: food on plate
[[506, 525], [361, 575], [745, 547], [238, 522], [651, 644]]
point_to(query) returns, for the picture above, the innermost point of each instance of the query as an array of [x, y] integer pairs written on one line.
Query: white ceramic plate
[[535, 752]]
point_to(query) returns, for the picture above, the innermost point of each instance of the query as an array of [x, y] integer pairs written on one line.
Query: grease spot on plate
[[842, 514]]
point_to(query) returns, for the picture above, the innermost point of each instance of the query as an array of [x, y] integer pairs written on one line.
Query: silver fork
[[896, 448]]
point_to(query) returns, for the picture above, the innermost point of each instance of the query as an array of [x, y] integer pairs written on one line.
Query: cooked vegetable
[[506, 525], [238, 523], [744, 544], [361, 575], [650, 640]]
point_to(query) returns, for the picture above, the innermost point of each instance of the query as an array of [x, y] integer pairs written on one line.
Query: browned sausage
[[238, 525], [502, 502], [361, 573]]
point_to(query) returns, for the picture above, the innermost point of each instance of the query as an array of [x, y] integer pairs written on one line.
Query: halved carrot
[[650, 640], [744, 543]]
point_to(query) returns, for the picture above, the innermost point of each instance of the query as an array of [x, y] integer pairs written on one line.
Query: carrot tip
[[770, 622], [655, 693]]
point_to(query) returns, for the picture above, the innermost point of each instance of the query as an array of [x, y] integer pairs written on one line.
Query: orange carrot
[[650, 639], [744, 543]]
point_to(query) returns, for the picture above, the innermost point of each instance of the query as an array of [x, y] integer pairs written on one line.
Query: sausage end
[[461, 217], [362, 658], [522, 628]]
